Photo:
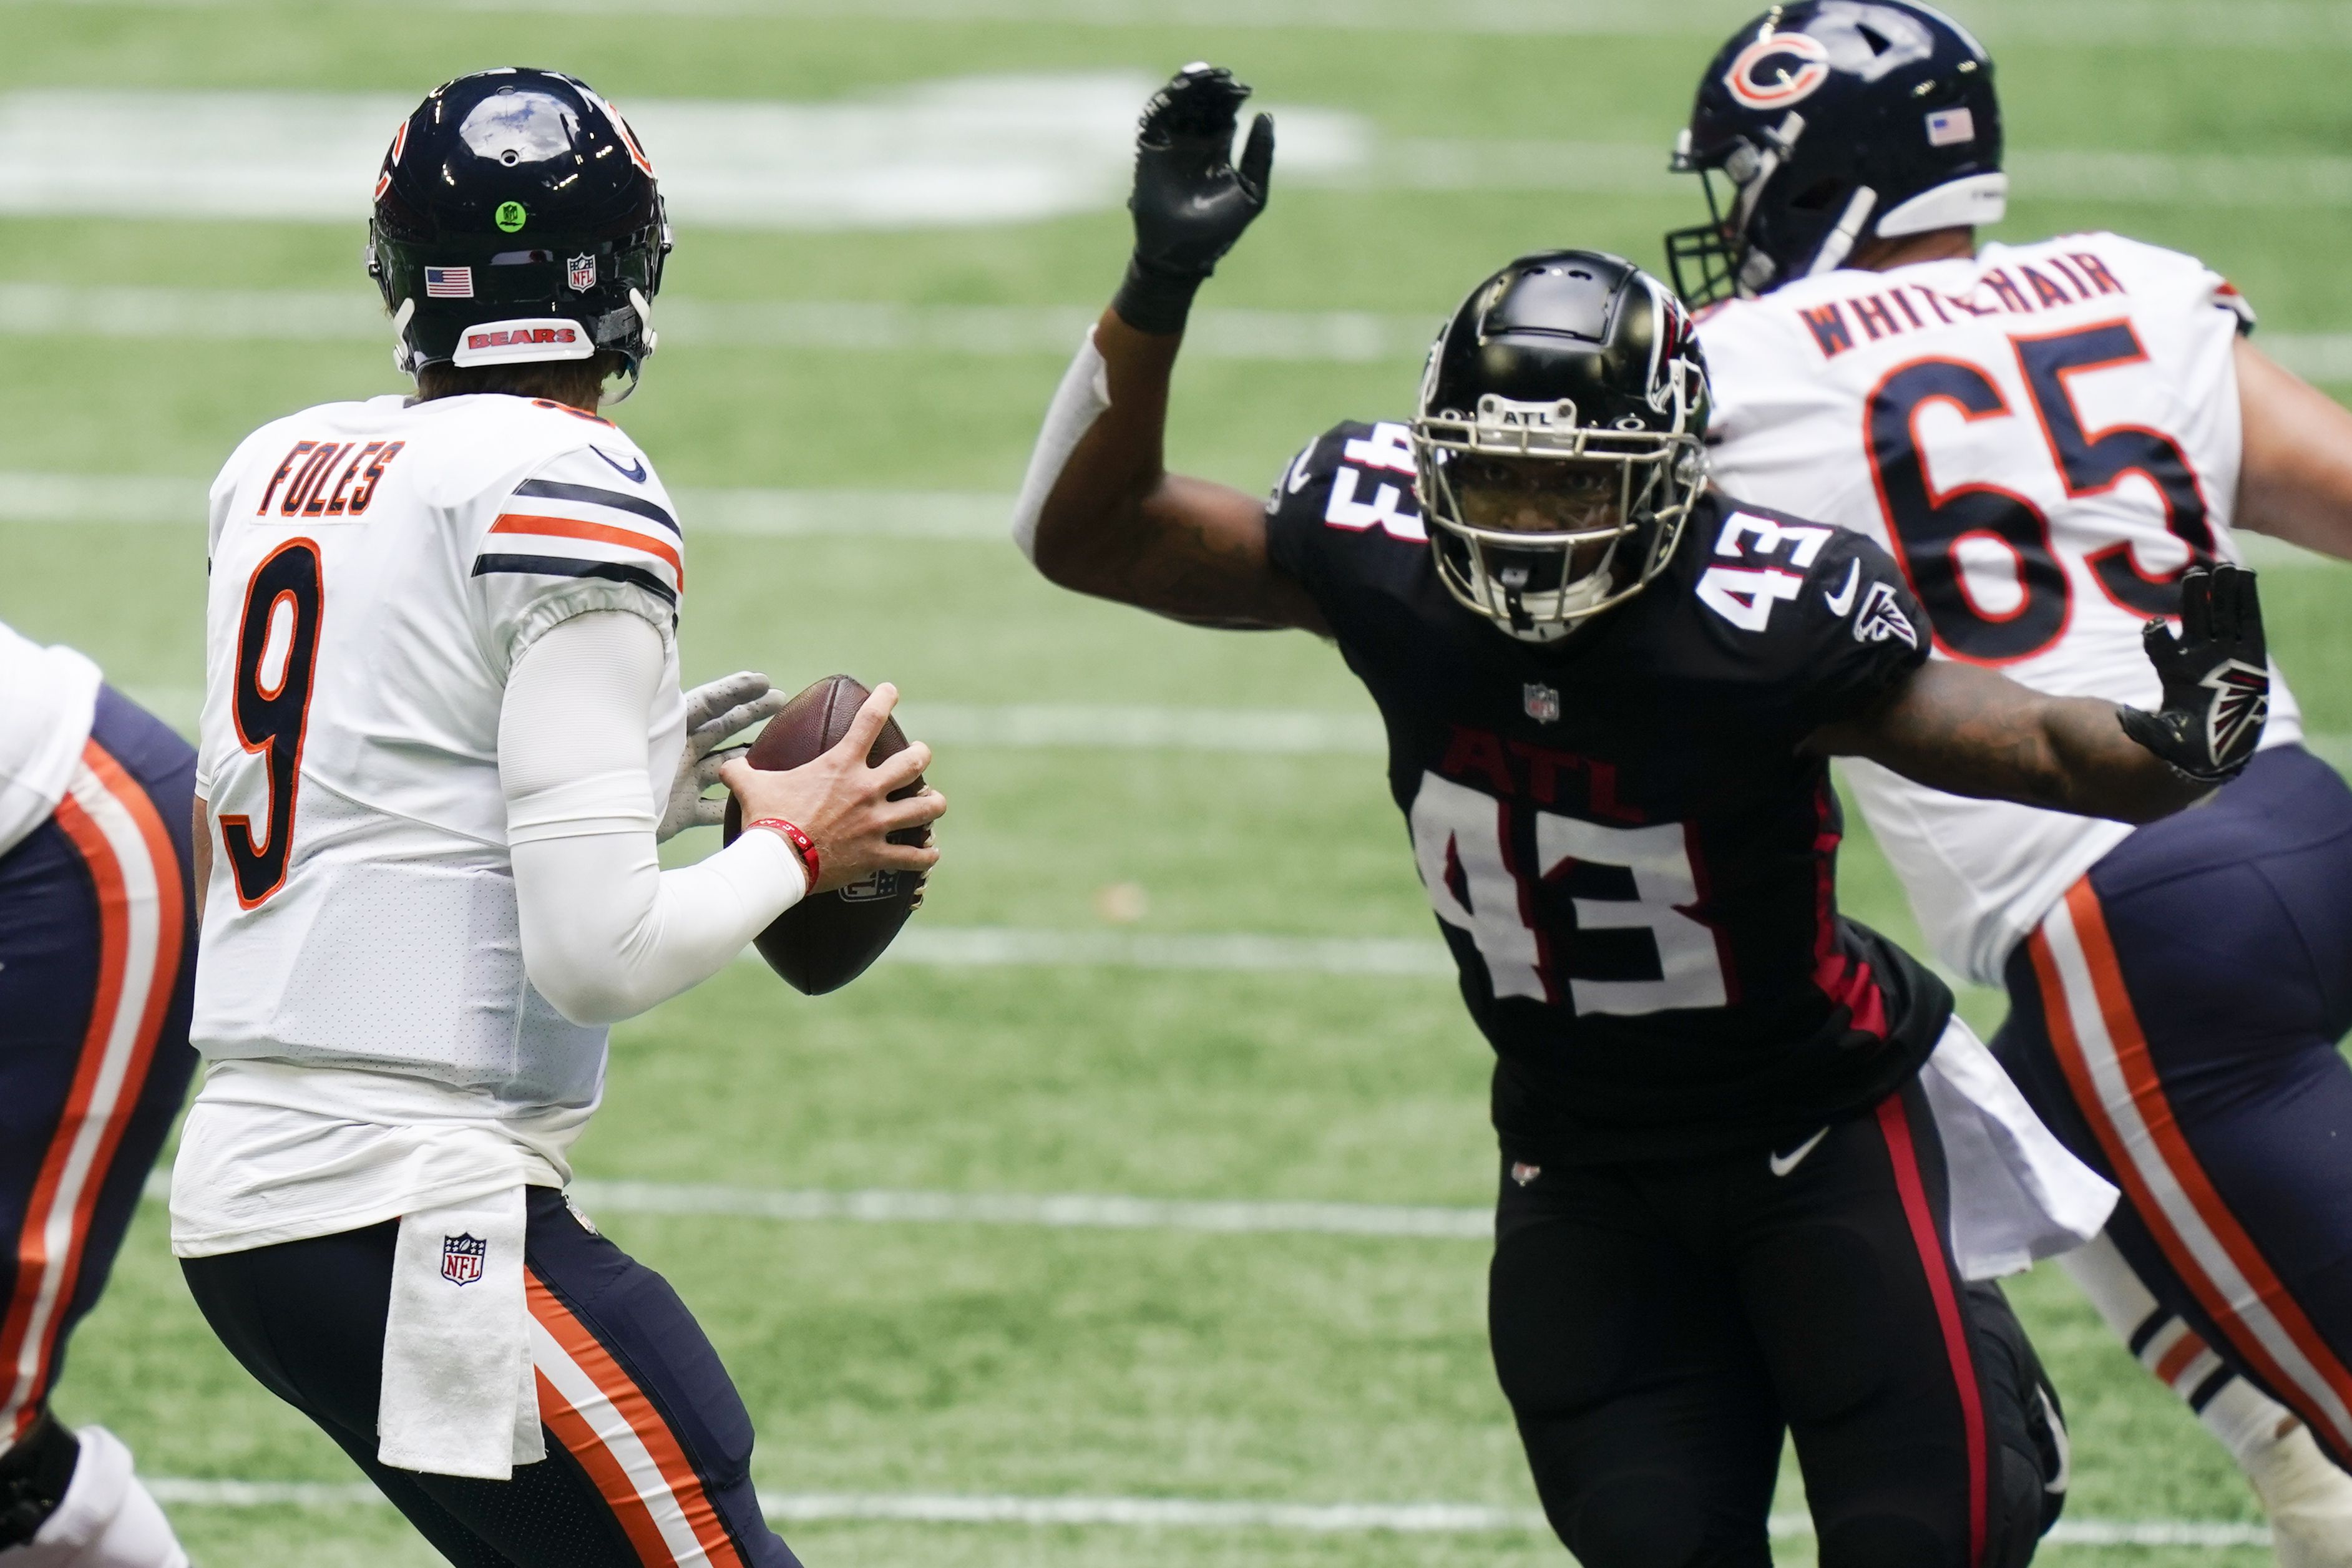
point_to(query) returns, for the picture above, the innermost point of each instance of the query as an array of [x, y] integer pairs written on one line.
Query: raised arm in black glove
[[1190, 203], [2217, 678]]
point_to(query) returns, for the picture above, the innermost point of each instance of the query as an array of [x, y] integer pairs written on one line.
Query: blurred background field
[[893, 219]]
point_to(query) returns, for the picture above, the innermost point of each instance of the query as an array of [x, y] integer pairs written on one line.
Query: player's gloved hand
[[2217, 678], [1189, 202], [713, 712]]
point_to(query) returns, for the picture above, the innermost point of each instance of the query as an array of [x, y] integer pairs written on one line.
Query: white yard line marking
[[2111, 24], [980, 150], [1052, 1211], [1185, 1513], [1057, 1212], [1244, 732], [353, 314], [993, 947], [141, 314]]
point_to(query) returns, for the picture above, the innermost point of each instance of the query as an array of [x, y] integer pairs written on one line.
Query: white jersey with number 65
[[377, 568], [2044, 436]]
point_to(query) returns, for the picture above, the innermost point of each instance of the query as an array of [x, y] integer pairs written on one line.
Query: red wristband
[[802, 845]]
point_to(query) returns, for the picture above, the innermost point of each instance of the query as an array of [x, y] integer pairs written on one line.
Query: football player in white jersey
[[2045, 437], [442, 736], [97, 959]]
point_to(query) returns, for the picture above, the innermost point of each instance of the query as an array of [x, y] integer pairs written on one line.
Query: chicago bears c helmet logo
[[1779, 69]]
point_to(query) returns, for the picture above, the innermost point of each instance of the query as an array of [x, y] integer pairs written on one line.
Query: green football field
[[1255, 1334]]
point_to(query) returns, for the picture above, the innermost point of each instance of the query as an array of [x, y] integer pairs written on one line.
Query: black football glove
[[2217, 678], [1190, 203]]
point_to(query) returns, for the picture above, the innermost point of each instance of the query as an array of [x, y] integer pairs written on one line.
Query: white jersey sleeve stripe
[[544, 528]]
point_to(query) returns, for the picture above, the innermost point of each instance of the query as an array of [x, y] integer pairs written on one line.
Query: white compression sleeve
[[606, 932], [1084, 395]]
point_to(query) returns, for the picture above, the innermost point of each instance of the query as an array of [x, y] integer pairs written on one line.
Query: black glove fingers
[[1202, 105], [2196, 605], [2250, 618], [1258, 158]]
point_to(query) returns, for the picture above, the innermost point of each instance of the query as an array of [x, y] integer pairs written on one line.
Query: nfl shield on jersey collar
[[2040, 435]]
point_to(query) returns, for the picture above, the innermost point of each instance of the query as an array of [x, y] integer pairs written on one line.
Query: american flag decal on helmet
[[2241, 702], [448, 283]]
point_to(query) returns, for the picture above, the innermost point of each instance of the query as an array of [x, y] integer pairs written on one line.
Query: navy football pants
[[2175, 1021], [648, 1445], [1657, 1328], [97, 966]]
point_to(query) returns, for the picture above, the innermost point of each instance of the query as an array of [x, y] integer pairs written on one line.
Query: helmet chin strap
[[1848, 233], [403, 357]]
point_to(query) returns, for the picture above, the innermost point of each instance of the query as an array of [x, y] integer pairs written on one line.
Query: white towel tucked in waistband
[[2018, 1196], [459, 1397]]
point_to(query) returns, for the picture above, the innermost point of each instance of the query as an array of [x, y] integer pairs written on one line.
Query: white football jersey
[[2042, 436], [376, 569], [47, 698]]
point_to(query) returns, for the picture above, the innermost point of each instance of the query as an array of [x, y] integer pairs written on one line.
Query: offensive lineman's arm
[[2296, 483], [1972, 731], [1099, 512]]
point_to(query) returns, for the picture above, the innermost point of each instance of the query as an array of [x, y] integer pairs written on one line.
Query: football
[[821, 943]]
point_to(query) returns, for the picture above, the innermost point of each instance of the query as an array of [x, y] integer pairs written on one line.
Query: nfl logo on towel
[[580, 273], [448, 283], [1951, 127], [461, 1257]]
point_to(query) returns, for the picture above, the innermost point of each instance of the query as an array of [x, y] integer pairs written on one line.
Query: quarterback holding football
[[443, 734]]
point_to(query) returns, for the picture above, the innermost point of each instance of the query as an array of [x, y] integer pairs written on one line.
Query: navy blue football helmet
[[517, 218], [1835, 122]]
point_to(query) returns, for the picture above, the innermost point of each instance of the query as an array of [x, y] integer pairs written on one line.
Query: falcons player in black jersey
[[1755, 1177]]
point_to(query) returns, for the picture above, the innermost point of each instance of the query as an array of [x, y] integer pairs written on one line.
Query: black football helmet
[[517, 218], [1575, 378], [1834, 123]]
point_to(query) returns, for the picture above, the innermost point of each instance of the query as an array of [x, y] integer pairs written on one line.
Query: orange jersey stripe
[[602, 533], [669, 1455]]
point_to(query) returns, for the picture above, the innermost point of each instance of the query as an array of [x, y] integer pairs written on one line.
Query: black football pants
[[648, 1445], [1657, 1327]]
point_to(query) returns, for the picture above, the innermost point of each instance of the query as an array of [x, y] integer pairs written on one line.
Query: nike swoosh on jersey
[[1299, 471], [635, 473], [1783, 1163], [1842, 599]]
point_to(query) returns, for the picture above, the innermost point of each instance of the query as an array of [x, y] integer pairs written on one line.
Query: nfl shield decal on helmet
[[580, 273], [1542, 702], [461, 1257]]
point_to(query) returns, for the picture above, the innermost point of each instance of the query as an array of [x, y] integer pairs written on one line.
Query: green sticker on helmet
[[510, 216]]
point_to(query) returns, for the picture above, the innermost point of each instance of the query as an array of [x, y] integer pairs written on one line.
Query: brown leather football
[[823, 943]]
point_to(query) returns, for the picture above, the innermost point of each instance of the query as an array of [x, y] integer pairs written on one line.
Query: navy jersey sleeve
[[1819, 618], [1344, 515]]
